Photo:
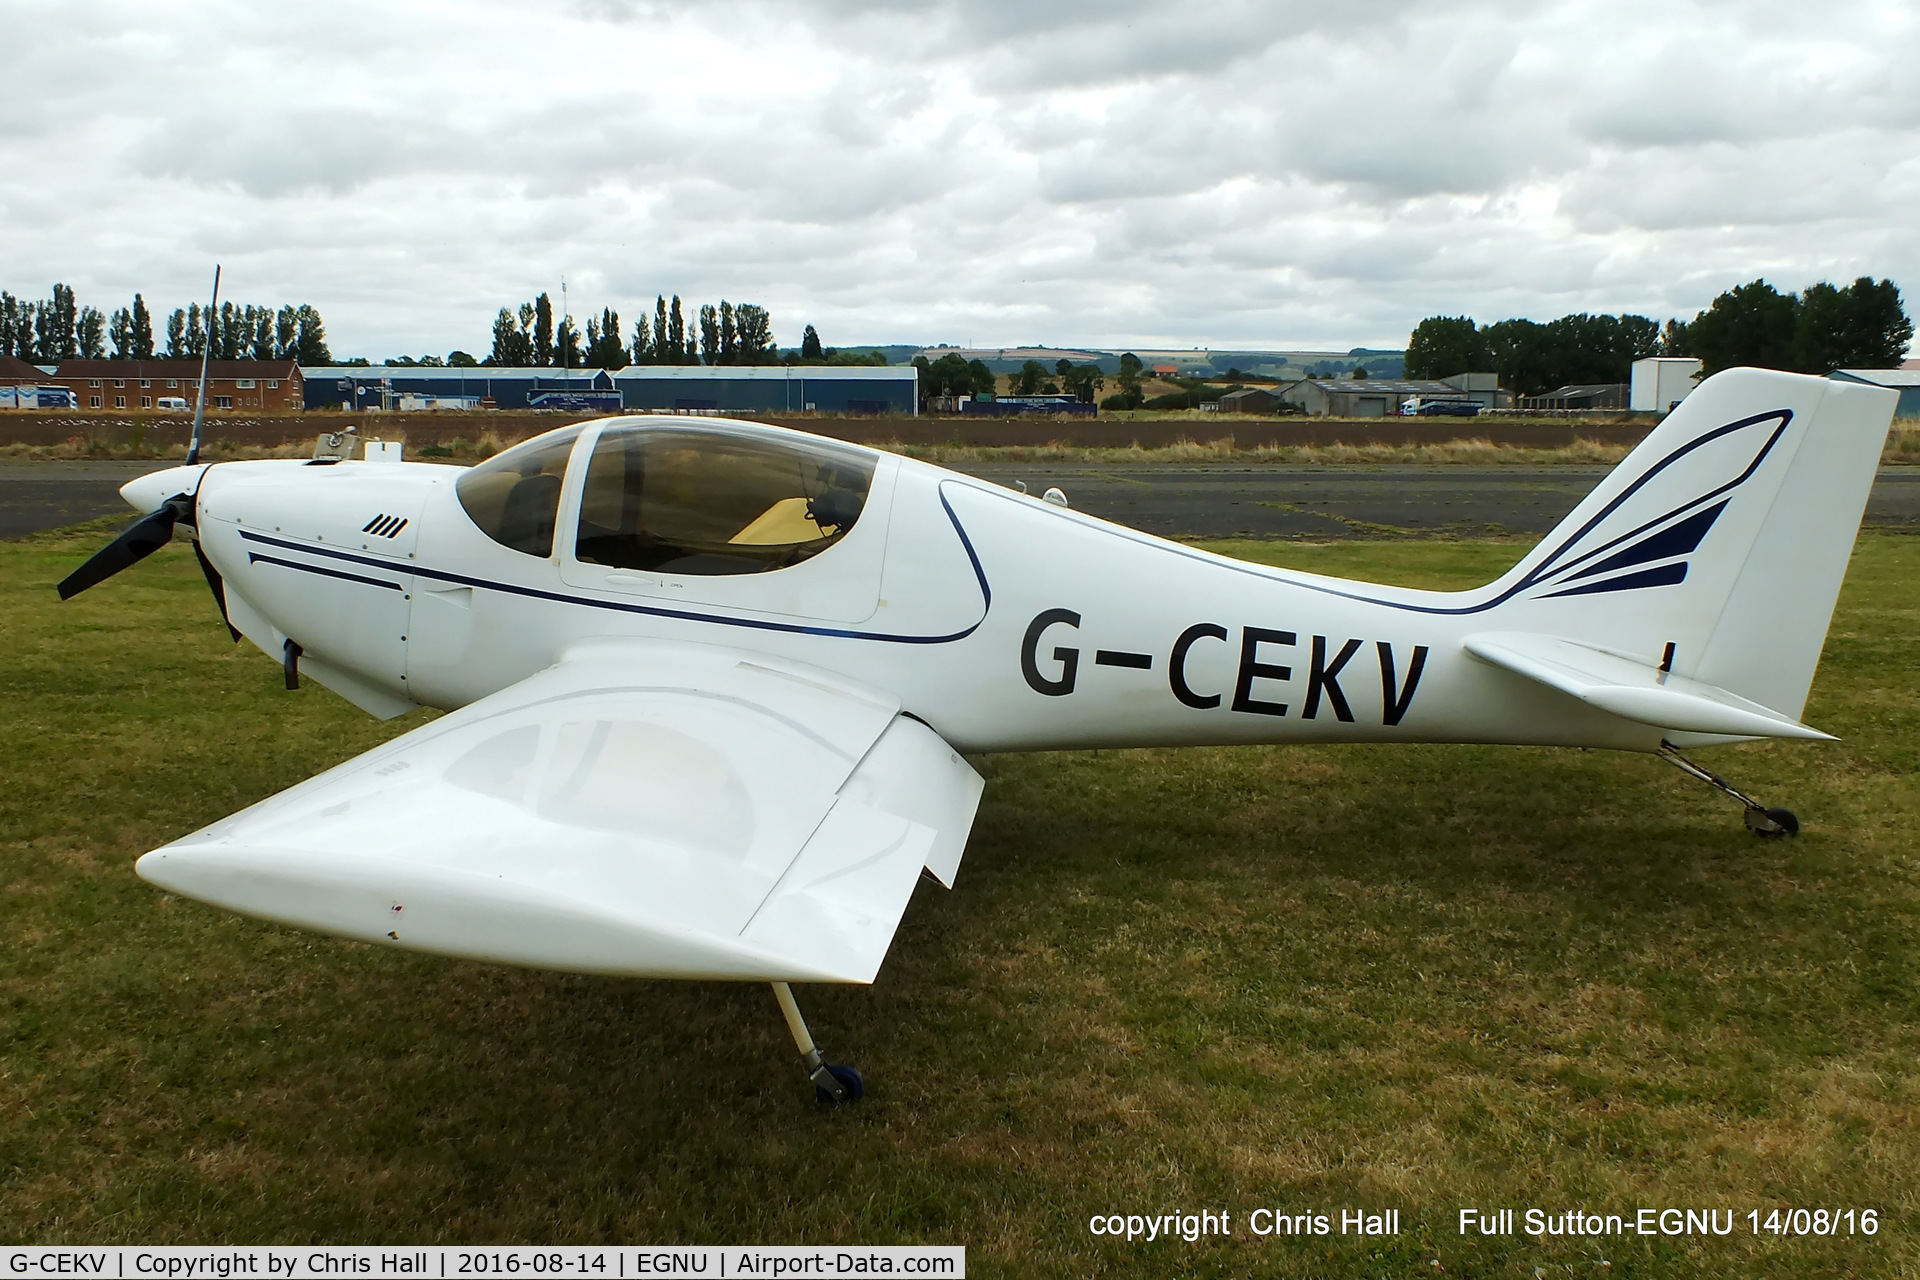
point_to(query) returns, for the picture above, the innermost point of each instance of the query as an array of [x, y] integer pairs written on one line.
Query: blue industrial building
[[849, 389], [380, 386]]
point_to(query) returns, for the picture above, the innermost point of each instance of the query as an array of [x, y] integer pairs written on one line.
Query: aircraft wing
[[639, 808], [1631, 689]]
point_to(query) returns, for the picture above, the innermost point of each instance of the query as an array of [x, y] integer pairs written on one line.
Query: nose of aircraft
[[146, 493]]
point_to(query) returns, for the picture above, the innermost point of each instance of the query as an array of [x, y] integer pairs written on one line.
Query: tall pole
[[206, 351]]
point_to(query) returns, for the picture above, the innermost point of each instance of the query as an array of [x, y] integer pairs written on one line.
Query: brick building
[[14, 370], [261, 386]]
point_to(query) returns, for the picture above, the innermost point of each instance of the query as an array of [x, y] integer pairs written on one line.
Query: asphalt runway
[[1211, 501], [1227, 501], [49, 495]]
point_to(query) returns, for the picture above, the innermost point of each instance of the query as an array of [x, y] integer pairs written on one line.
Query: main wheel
[[849, 1080], [1772, 824]]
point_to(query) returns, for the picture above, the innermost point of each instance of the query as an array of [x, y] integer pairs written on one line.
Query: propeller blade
[[218, 587], [145, 537]]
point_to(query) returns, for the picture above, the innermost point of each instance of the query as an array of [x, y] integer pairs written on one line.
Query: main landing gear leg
[[1768, 824], [831, 1081]]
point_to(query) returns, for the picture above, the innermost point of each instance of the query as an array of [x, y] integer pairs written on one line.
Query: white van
[[174, 404]]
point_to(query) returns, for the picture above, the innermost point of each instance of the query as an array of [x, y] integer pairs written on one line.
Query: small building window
[[146, 402], [93, 382], [244, 384], [172, 383], [223, 402], [146, 382], [93, 402], [119, 382], [273, 384], [119, 402]]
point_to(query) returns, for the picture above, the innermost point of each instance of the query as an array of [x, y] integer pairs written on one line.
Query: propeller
[[142, 539]]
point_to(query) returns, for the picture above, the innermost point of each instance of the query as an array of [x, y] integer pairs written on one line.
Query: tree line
[[1822, 328], [59, 328], [530, 336], [954, 375]]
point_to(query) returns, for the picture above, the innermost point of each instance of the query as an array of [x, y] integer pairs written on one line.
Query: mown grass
[[1424, 978]]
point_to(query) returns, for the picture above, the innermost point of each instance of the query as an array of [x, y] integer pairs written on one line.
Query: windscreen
[[515, 496], [706, 502]]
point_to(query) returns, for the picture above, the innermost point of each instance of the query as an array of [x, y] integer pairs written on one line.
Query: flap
[[630, 810], [1632, 689]]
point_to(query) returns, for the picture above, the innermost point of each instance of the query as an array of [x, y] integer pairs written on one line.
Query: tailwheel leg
[[832, 1082], [1768, 824]]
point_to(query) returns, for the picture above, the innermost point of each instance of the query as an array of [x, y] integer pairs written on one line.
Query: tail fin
[[1714, 552]]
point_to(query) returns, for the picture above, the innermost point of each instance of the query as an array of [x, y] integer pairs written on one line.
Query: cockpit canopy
[[677, 500]]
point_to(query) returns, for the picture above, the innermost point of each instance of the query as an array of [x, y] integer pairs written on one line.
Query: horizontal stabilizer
[[1632, 689]]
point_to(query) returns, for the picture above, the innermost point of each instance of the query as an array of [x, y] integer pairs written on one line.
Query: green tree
[[1359, 373], [678, 344], [709, 333], [142, 329], [286, 326], [310, 337], [9, 324], [810, 345], [729, 335], [922, 382], [980, 381], [605, 350], [1863, 326], [60, 337], [92, 334], [566, 345], [543, 331], [1442, 346], [1674, 341], [506, 341], [950, 375], [753, 334], [1750, 324], [120, 333], [461, 360], [1084, 381], [177, 335], [1027, 381], [661, 355]]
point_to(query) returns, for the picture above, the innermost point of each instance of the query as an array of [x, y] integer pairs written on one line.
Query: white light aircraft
[[710, 683]]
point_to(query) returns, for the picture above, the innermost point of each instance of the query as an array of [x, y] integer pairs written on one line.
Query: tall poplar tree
[[709, 334], [142, 329], [543, 330], [677, 341]]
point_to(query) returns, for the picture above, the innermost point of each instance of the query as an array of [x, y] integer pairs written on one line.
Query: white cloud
[[1122, 171]]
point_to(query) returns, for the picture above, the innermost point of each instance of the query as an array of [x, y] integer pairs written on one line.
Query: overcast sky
[[989, 172]]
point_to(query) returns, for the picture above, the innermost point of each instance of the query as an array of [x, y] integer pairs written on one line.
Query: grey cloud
[[1115, 172]]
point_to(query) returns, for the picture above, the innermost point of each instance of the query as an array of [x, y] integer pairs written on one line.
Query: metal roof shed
[[1905, 381]]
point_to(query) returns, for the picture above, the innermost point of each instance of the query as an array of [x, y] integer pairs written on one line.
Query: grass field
[[1305, 979]]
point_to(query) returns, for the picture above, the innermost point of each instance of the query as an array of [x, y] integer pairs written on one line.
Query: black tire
[[1772, 824], [849, 1080]]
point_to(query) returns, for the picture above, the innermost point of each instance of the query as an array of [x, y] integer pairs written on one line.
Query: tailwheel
[[1768, 824]]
